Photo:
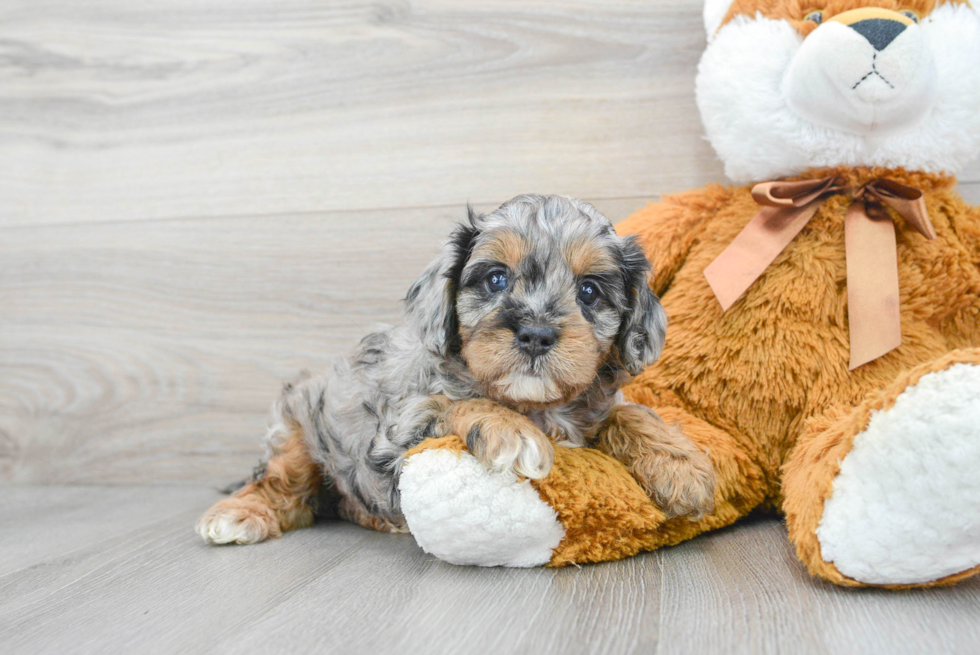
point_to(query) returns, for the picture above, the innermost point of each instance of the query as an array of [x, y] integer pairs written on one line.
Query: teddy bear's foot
[[904, 508], [463, 513], [588, 509]]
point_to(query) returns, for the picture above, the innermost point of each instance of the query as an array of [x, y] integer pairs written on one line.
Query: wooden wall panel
[[197, 200], [137, 110]]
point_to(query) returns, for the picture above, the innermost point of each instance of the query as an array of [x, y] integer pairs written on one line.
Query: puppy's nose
[[536, 339], [879, 26]]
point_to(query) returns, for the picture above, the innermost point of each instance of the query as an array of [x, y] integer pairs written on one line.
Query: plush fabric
[[758, 70], [775, 365], [497, 519], [873, 468], [883, 518]]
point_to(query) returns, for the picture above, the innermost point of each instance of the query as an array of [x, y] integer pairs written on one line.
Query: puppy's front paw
[[501, 439], [502, 446], [239, 521], [682, 483], [672, 470]]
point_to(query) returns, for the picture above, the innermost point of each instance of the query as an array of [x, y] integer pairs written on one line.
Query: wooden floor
[[200, 199], [110, 569]]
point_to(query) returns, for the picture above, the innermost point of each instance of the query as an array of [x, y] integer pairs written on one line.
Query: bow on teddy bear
[[842, 107]]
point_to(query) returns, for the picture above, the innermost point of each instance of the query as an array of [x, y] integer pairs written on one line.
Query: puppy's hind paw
[[238, 521]]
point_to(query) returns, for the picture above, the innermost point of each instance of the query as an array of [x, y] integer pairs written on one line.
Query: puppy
[[517, 337]]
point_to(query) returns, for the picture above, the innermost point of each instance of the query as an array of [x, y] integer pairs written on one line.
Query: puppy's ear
[[430, 305], [644, 326]]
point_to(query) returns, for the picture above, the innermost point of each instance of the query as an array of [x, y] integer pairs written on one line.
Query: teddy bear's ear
[[714, 13], [430, 305], [644, 324]]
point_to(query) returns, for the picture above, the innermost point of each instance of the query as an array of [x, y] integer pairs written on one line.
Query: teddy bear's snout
[[863, 70]]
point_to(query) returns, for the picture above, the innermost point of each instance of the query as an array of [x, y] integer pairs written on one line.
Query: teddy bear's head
[[787, 85]]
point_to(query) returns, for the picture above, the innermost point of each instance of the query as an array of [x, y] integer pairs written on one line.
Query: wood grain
[[120, 111], [148, 584], [152, 350], [333, 588], [198, 200], [744, 591], [116, 111], [204, 199]]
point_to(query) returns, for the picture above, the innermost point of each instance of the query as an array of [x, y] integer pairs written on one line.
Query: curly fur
[[457, 365]]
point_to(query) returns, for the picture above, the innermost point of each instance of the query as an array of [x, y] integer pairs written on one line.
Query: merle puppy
[[517, 337]]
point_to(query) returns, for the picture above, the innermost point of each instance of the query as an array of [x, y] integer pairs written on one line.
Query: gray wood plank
[[167, 591], [138, 110], [436, 607], [151, 586], [742, 590], [132, 110], [151, 351], [138, 352], [64, 534], [323, 589], [44, 523]]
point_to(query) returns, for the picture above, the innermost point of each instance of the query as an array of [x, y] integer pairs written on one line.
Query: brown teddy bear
[[824, 341]]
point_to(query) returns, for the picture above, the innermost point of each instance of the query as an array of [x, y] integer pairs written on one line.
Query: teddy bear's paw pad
[[236, 521], [905, 507], [462, 513]]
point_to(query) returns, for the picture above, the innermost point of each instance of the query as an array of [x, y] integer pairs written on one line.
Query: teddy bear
[[824, 314]]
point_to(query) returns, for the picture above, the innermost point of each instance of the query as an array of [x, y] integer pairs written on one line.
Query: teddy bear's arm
[[669, 228]]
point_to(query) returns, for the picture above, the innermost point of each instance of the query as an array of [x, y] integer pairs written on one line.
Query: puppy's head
[[536, 297]]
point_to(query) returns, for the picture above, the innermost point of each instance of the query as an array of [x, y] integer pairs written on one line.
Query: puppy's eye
[[911, 14], [588, 293], [496, 282], [814, 16]]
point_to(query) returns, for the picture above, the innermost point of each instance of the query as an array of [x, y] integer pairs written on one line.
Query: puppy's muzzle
[[535, 340]]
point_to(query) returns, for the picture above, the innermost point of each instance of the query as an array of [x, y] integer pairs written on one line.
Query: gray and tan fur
[[518, 337]]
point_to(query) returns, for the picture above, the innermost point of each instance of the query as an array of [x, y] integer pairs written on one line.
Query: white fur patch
[[464, 514], [905, 507], [529, 388], [714, 13], [227, 528], [749, 120]]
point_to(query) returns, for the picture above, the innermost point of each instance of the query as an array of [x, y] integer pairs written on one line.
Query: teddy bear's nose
[[879, 26], [878, 31]]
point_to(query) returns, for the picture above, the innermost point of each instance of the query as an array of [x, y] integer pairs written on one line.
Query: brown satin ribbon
[[870, 248]]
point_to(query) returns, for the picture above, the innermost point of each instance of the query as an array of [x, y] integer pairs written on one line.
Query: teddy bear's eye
[[815, 16], [911, 14]]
